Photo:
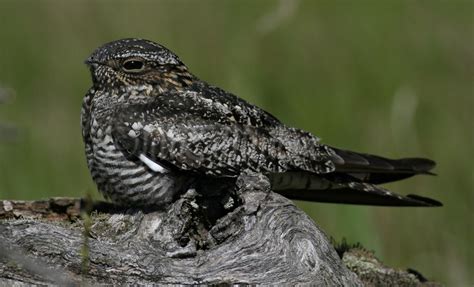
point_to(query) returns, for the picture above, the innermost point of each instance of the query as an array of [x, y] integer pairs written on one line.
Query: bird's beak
[[91, 62], [88, 61]]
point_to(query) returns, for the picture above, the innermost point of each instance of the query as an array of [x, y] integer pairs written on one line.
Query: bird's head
[[134, 62]]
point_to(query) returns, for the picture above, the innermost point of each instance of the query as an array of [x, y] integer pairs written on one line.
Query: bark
[[254, 236]]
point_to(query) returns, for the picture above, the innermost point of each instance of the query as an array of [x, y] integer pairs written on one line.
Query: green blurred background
[[392, 78]]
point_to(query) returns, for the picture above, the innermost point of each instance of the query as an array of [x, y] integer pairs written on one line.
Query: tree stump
[[256, 237]]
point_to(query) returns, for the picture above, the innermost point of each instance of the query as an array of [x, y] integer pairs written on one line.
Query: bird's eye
[[133, 65]]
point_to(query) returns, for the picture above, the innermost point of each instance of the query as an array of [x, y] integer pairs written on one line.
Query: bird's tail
[[352, 193], [376, 169], [354, 181]]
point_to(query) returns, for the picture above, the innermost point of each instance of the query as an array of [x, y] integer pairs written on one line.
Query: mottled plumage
[[152, 130]]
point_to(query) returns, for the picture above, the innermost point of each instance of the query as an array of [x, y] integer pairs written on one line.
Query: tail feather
[[375, 169], [364, 195], [335, 189], [354, 181]]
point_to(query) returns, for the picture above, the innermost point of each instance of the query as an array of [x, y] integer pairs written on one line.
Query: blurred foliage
[[388, 77]]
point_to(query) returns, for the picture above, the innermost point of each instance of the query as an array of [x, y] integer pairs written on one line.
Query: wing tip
[[420, 165], [424, 201]]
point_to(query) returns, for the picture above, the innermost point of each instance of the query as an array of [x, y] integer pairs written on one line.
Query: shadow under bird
[[152, 131]]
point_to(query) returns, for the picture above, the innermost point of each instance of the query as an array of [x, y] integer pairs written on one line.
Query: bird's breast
[[125, 179]]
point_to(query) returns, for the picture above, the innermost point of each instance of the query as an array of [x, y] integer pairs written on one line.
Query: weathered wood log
[[259, 237]]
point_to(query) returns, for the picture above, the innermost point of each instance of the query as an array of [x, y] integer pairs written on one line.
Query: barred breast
[[127, 181]]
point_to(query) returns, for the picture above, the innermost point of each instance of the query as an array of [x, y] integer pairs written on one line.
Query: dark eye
[[133, 65]]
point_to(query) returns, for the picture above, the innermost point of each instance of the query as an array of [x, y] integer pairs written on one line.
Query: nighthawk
[[153, 130]]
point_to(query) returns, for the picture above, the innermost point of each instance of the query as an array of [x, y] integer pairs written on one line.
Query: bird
[[153, 130]]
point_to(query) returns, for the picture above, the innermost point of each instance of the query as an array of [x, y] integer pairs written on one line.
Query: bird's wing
[[205, 134]]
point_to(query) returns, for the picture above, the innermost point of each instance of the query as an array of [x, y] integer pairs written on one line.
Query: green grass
[[393, 78]]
